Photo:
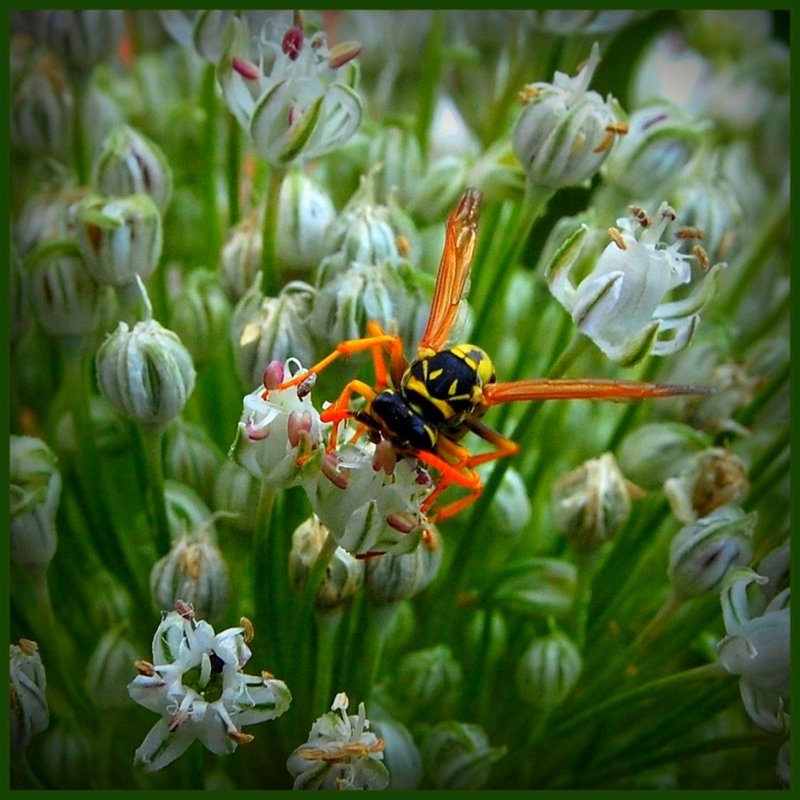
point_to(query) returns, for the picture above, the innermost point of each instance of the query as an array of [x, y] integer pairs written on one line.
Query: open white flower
[[196, 684], [620, 305]]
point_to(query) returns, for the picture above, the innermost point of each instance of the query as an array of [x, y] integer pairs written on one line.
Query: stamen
[[306, 385], [689, 232], [273, 375], [28, 647], [249, 630], [702, 257], [342, 53], [330, 470], [296, 425], [145, 668], [186, 610], [641, 216], [528, 93], [616, 237], [247, 69], [402, 522], [240, 737], [292, 42], [385, 457]]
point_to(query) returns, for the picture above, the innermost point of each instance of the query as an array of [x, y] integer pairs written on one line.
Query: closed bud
[[733, 388], [120, 238], [548, 670], [191, 457], [592, 502], [704, 551], [510, 510], [538, 586], [41, 108], [30, 713], [487, 636], [49, 215], [81, 38], [35, 491], [130, 163], [236, 492], [193, 571], [429, 681], [658, 450], [400, 754], [146, 373], [439, 188], [186, 511], [66, 298], [565, 131], [710, 479], [201, 316], [65, 757], [109, 669], [110, 430], [240, 258], [395, 151], [265, 329], [498, 172], [343, 575], [457, 755], [393, 578]]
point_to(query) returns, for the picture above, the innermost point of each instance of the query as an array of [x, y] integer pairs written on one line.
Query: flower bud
[[726, 34], [565, 131], [548, 671], [146, 373], [429, 681], [201, 316], [191, 457], [392, 578], [658, 450], [49, 215], [400, 754], [487, 638], [35, 492], [711, 478], [109, 669], [343, 575], [279, 437], [110, 430], [733, 389], [240, 258], [129, 163], [592, 502], [193, 571], [41, 108], [65, 756], [704, 551], [65, 296], [439, 188], [395, 151], [776, 567], [510, 510], [119, 238], [186, 512], [457, 755], [538, 587], [236, 491], [81, 38], [28, 683], [265, 329]]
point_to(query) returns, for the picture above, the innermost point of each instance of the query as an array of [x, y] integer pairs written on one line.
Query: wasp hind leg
[[340, 410]]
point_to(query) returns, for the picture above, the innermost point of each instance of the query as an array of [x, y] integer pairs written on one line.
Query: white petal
[[160, 747]]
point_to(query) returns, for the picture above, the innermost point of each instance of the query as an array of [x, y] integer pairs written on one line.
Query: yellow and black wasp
[[426, 407]]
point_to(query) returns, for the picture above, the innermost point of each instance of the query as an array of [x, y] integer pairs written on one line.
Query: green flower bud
[[395, 151], [592, 502], [565, 131], [711, 478], [400, 754], [510, 510], [266, 329], [109, 669], [186, 512], [726, 34], [776, 566], [65, 296], [49, 215], [110, 430], [343, 575], [28, 699], [35, 490], [498, 172], [65, 757], [704, 551], [130, 163], [548, 671], [733, 389], [439, 188], [119, 238], [193, 571], [487, 636], [538, 586], [236, 491], [428, 681], [393, 578], [659, 450], [146, 373], [191, 457], [201, 316], [240, 258], [41, 108], [457, 755]]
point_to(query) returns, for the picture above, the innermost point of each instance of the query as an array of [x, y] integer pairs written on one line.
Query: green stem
[[79, 142], [431, 68], [270, 277], [649, 371], [234, 166], [328, 623], [769, 478], [587, 563], [210, 104], [379, 619], [263, 618], [151, 444]]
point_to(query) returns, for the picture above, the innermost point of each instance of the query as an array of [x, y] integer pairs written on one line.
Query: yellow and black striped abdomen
[[446, 386]]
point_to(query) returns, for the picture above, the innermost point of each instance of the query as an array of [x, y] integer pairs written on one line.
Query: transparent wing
[[581, 388], [451, 279]]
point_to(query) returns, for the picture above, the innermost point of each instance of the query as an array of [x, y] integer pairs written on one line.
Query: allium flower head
[[620, 305], [289, 91], [341, 752], [196, 684]]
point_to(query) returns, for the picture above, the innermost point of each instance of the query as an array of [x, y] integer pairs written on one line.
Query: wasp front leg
[[340, 410]]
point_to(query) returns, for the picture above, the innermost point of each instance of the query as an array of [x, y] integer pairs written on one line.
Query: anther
[[616, 237], [640, 215]]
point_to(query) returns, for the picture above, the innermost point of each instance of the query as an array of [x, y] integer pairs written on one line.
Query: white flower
[[341, 752], [196, 684], [29, 713], [620, 304], [757, 649], [279, 435]]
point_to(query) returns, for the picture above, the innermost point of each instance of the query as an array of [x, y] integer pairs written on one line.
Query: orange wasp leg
[[340, 410]]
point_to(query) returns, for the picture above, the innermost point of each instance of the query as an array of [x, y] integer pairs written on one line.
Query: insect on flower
[[426, 407]]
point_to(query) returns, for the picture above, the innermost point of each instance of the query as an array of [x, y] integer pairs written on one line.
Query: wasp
[[426, 407]]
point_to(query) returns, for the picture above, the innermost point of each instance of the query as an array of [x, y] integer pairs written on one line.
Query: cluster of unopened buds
[[371, 500]]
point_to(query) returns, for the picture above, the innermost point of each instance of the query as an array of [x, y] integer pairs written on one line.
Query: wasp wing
[[451, 279], [581, 388]]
